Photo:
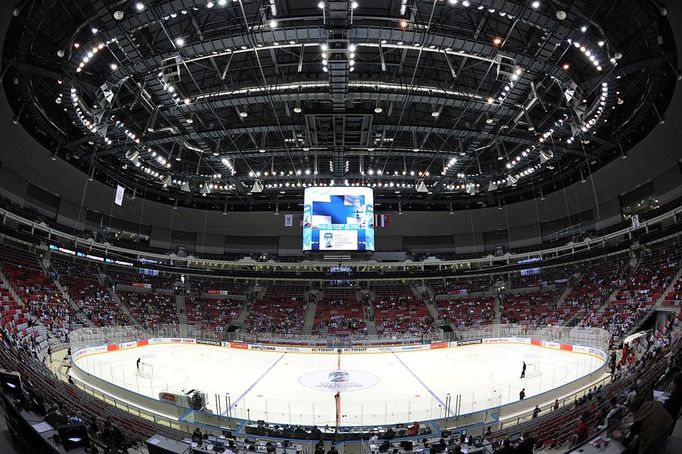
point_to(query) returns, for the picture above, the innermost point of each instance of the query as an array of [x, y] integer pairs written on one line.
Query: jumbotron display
[[338, 219]]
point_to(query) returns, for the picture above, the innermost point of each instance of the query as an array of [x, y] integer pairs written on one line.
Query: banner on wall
[[120, 190], [381, 220], [635, 221], [288, 220]]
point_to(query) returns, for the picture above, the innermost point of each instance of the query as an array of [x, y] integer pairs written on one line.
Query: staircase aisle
[[72, 303], [117, 300], [12, 292], [181, 309], [310, 317], [369, 319], [668, 289], [498, 311]]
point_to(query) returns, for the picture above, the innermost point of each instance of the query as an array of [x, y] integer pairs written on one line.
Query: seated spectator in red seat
[[581, 429]]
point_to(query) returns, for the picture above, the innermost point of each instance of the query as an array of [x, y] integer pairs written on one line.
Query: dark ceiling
[[482, 101]]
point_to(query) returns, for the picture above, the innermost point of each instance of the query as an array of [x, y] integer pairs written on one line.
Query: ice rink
[[376, 388]]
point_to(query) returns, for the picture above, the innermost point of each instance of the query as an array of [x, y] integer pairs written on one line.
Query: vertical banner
[[635, 221], [381, 220], [119, 195], [288, 220]]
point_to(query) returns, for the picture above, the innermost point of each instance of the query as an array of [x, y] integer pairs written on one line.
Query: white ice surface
[[394, 387]]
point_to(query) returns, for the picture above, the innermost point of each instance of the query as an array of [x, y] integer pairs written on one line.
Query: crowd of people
[[151, 309]]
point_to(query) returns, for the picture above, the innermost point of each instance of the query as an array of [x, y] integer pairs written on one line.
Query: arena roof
[[482, 101]]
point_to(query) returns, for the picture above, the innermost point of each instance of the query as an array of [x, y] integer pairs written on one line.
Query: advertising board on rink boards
[[332, 350]]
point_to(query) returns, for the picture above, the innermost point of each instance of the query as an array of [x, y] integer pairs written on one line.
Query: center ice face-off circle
[[338, 380]]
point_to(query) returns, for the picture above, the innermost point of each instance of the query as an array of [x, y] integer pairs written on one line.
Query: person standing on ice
[[137, 364], [523, 370]]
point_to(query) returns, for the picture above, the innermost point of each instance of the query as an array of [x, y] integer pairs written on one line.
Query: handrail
[[571, 247], [553, 337]]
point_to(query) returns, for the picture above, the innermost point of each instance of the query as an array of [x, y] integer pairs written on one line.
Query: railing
[[588, 243], [93, 336], [471, 409], [589, 337]]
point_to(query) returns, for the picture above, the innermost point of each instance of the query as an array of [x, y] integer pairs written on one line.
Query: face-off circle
[[338, 380]]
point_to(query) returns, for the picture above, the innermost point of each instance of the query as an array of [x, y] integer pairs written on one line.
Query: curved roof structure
[[431, 103]]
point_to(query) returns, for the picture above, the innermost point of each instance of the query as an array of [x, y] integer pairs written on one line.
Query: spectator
[[581, 429], [615, 413], [522, 394], [556, 404], [506, 447], [412, 430], [651, 425], [526, 445], [631, 396], [536, 411], [674, 402]]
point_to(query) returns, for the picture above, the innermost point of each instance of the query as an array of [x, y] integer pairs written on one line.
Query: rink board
[[378, 385]]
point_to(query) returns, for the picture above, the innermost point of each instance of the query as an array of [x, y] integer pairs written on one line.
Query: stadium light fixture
[[257, 186]]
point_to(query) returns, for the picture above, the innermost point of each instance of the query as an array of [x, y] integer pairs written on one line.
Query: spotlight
[[257, 186], [378, 109], [273, 23], [139, 6]]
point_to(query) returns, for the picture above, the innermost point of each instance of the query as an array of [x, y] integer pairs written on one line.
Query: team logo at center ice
[[338, 380], [338, 376]]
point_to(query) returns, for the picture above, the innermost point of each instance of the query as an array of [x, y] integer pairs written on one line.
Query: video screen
[[338, 219]]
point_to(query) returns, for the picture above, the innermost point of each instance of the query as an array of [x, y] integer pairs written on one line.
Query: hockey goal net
[[532, 370], [145, 370]]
